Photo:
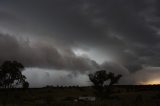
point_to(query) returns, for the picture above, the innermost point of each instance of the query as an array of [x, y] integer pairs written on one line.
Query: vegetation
[[113, 95], [11, 75], [99, 79]]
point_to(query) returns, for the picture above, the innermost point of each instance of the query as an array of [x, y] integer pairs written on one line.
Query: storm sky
[[61, 41]]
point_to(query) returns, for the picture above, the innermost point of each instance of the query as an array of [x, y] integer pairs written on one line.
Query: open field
[[121, 96]]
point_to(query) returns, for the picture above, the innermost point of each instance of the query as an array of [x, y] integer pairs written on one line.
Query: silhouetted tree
[[99, 79], [11, 74], [113, 79]]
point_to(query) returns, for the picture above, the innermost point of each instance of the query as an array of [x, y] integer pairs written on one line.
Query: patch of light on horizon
[[151, 82]]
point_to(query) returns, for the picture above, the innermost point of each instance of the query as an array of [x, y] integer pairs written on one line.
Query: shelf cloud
[[118, 35]]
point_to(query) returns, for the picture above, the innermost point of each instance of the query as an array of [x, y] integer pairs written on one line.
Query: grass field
[[121, 96]]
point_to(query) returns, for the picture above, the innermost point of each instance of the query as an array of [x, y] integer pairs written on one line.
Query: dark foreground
[[67, 96]]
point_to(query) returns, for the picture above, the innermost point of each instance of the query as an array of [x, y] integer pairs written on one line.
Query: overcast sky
[[61, 41]]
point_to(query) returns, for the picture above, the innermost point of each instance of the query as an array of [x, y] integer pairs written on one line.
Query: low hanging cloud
[[108, 26], [46, 77], [148, 75], [54, 77], [43, 59], [42, 55], [126, 32]]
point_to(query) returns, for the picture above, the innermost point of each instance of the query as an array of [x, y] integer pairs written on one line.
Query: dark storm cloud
[[41, 54], [128, 30]]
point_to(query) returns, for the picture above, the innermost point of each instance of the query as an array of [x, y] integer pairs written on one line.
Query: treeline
[[60, 86]]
